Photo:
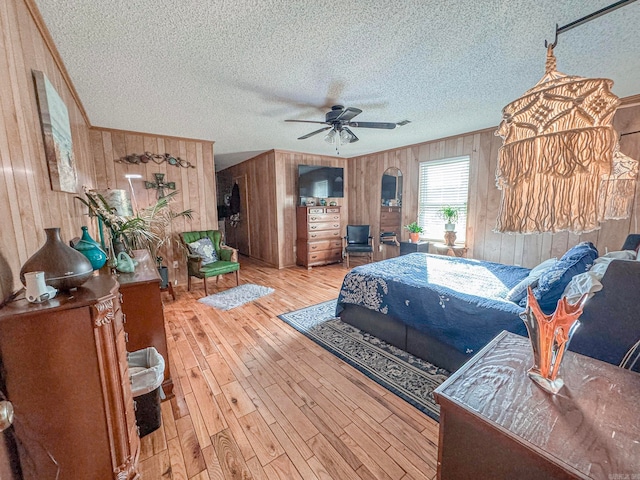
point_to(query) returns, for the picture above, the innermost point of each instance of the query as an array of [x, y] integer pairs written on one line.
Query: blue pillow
[[552, 283]]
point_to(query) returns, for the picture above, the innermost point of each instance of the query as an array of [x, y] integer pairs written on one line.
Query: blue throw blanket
[[459, 301]]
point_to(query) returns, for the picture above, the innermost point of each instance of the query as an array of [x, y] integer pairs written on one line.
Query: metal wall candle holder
[[146, 157]]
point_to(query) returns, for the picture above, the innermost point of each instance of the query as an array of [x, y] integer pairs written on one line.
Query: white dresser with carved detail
[[64, 368], [319, 241]]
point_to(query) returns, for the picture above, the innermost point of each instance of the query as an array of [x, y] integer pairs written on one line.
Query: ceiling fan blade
[[313, 133], [353, 135], [385, 125], [348, 113], [306, 121]]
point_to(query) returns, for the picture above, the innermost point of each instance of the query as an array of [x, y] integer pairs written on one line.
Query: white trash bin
[[146, 371]]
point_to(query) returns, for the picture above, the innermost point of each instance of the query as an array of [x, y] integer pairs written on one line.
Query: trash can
[[146, 370]]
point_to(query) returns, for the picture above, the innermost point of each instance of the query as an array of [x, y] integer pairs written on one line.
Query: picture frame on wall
[[56, 132]]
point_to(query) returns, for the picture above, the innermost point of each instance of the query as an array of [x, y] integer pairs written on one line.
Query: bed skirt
[[393, 331]]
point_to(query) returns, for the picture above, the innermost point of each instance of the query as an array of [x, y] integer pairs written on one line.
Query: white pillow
[[621, 255], [205, 249], [518, 292], [587, 282]]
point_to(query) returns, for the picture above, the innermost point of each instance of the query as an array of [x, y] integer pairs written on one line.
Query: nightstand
[[495, 422], [454, 251], [410, 247]]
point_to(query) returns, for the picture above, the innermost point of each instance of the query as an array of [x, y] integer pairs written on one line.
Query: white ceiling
[[233, 71]]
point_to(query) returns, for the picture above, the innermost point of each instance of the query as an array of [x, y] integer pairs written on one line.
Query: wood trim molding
[[48, 40], [631, 101], [131, 132]]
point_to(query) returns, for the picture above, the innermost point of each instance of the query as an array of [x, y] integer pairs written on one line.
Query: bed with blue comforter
[[445, 309], [457, 301]]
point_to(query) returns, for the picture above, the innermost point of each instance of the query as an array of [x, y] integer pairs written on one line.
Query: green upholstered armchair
[[227, 258]]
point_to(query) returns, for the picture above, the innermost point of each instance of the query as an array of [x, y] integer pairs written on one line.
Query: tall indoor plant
[[149, 228]]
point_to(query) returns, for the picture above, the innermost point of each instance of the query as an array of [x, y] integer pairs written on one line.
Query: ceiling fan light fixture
[[345, 137], [331, 137]]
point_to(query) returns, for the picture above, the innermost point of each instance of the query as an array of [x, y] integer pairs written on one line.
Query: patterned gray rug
[[409, 377], [236, 296]]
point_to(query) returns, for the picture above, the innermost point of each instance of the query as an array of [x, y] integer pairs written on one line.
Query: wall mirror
[[391, 206]]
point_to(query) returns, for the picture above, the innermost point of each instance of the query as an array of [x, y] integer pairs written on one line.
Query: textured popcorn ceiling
[[233, 71]]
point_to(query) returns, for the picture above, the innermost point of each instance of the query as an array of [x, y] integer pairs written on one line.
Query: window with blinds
[[443, 183]]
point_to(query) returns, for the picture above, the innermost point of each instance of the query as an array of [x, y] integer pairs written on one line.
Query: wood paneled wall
[[27, 202], [365, 173], [272, 180], [196, 186]]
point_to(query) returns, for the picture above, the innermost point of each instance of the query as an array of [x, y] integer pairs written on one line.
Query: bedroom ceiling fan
[[339, 119]]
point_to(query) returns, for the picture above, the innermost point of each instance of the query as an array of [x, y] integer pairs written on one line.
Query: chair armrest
[[194, 262], [228, 253]]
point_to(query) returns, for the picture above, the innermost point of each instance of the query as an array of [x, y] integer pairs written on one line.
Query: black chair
[[358, 240]]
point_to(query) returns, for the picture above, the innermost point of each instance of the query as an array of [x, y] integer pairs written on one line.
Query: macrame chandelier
[[555, 165]]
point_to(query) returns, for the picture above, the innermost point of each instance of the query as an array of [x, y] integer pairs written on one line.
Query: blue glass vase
[[91, 249]]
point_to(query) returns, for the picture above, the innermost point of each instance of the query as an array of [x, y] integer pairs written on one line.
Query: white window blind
[[443, 183]]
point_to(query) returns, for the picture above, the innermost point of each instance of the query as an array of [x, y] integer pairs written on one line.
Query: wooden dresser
[[390, 220], [319, 241], [142, 307], [64, 368], [497, 423]]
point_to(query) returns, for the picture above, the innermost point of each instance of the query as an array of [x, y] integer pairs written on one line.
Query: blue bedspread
[[459, 301]]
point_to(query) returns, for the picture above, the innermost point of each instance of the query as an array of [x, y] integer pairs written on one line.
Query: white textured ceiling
[[233, 71]]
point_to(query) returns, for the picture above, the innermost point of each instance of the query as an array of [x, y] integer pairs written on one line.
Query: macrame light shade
[[555, 165]]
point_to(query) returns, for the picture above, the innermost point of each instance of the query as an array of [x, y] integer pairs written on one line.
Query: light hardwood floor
[[256, 399]]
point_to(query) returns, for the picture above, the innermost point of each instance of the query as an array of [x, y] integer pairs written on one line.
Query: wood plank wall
[[287, 196], [365, 173], [27, 202], [196, 186], [258, 218], [272, 179]]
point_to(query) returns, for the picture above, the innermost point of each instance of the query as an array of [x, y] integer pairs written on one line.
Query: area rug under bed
[[236, 296], [409, 377]]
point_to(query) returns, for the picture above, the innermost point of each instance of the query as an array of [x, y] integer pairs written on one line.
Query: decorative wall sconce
[[146, 157]]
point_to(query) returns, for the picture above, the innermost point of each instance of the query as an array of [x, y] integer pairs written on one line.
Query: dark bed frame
[[610, 322]]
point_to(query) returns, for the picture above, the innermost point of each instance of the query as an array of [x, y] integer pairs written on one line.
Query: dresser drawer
[[325, 256], [323, 217], [333, 210], [390, 217], [324, 226], [315, 210], [324, 245], [323, 234]]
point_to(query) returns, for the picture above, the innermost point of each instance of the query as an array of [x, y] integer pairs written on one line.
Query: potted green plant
[[414, 231], [450, 216]]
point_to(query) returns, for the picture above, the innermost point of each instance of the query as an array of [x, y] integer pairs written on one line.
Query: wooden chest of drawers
[[390, 220], [319, 241]]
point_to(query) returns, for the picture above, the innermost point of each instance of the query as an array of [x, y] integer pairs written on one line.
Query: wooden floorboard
[[255, 399]]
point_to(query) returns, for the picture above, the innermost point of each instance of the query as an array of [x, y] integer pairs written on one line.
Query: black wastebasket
[[146, 369]]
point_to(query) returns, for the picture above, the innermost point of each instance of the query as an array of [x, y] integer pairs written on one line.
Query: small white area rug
[[236, 296]]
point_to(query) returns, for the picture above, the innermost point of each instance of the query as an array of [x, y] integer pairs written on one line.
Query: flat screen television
[[320, 182]]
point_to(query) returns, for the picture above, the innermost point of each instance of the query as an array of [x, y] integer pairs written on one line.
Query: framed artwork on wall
[[56, 131]]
